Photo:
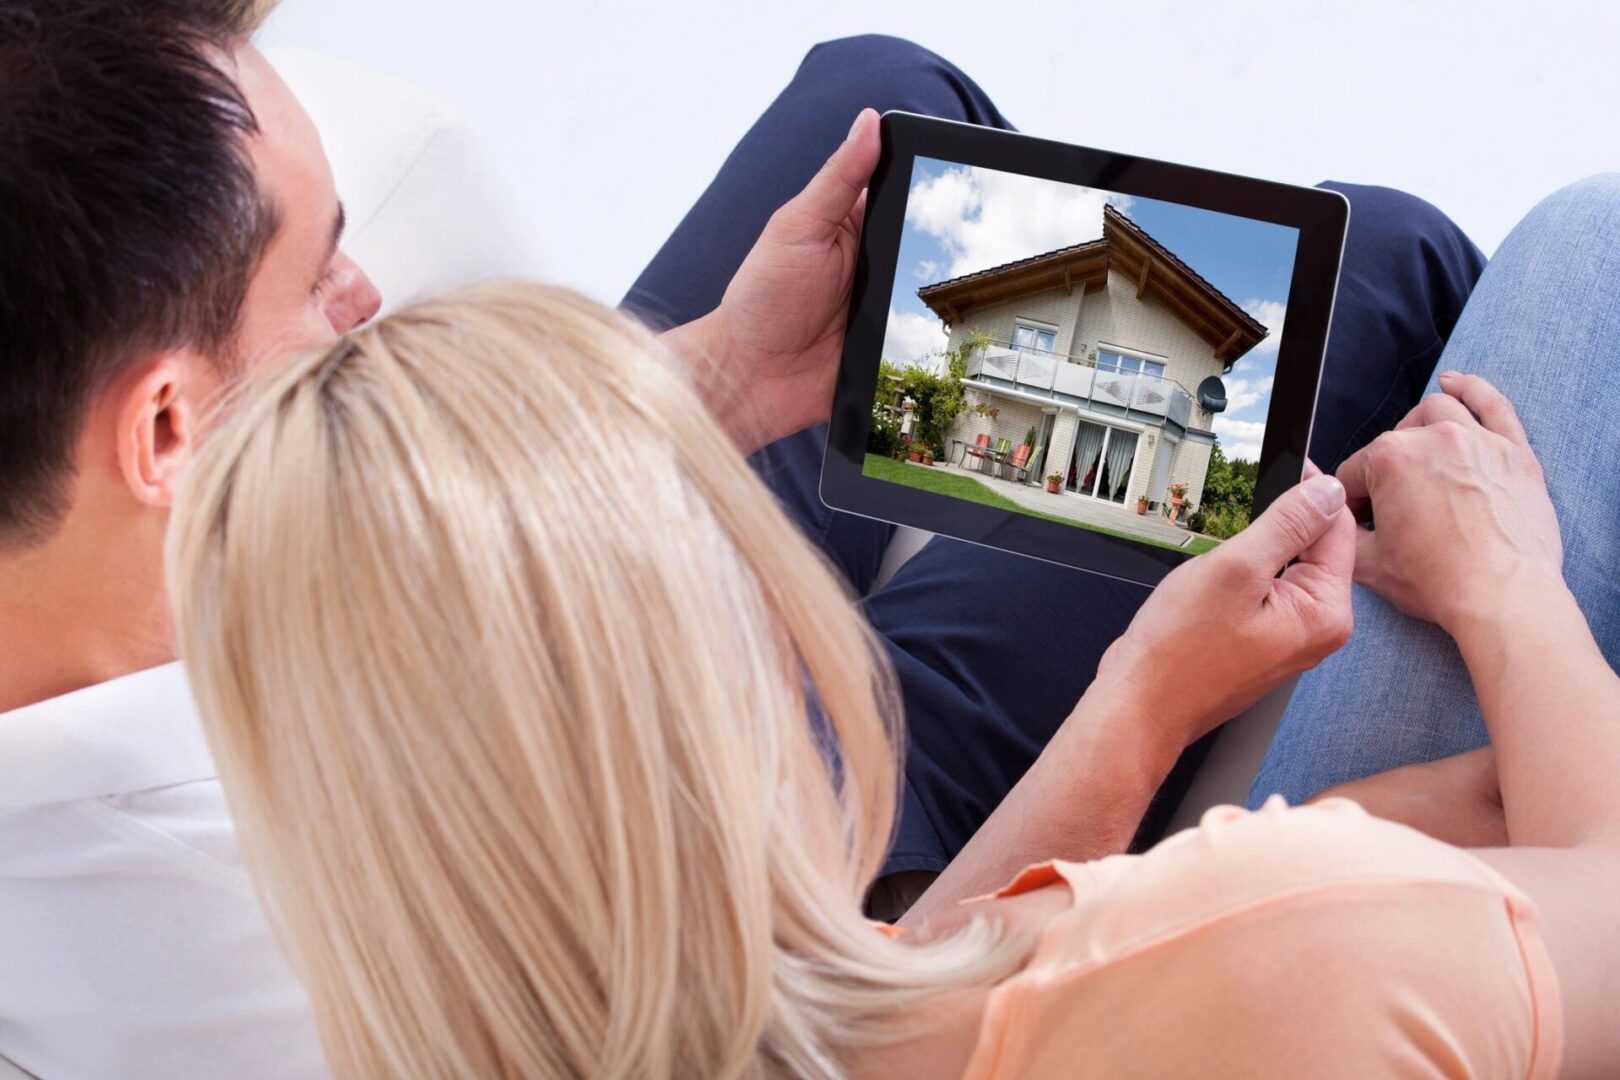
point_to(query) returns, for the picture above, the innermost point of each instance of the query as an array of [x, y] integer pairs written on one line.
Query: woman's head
[[509, 664]]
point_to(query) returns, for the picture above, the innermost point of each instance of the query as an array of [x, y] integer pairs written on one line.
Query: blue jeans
[[993, 650], [1543, 325]]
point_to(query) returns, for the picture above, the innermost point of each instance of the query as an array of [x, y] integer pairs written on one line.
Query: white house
[[1111, 350]]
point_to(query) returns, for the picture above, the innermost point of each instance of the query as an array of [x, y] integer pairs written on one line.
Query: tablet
[[1081, 356]]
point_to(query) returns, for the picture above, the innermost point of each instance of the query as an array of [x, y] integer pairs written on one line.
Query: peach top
[[1317, 941]]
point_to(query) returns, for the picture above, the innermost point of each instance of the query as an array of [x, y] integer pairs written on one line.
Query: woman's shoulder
[[1234, 856], [1259, 937]]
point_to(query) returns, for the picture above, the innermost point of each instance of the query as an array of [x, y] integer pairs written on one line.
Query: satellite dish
[[1212, 394]]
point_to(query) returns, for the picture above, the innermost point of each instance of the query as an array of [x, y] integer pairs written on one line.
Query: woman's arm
[[1224, 629], [1082, 799], [1552, 705], [1465, 536], [1456, 799]]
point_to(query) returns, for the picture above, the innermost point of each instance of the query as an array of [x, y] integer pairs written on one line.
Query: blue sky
[[961, 219]]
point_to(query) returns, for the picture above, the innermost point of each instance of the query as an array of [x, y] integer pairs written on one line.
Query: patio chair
[[980, 449], [1026, 462], [1000, 452]]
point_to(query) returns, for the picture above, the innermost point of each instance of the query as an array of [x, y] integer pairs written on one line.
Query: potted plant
[[914, 453], [1141, 504], [1178, 495], [927, 456], [1052, 482]]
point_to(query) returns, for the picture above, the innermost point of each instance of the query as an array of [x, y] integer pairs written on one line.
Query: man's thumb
[[1291, 524]]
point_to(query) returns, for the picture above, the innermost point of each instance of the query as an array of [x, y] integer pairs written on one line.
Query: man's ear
[[157, 420]]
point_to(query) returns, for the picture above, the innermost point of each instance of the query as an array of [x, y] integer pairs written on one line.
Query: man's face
[[307, 292]]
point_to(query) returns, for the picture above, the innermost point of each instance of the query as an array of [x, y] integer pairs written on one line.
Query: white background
[[609, 119]]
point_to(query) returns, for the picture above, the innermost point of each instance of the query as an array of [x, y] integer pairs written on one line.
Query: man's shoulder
[[127, 921], [108, 799], [135, 733], [178, 830]]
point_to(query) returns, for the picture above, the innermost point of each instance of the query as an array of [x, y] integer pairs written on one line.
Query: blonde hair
[[553, 747]]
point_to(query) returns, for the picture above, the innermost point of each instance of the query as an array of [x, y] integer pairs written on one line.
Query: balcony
[[1134, 395]]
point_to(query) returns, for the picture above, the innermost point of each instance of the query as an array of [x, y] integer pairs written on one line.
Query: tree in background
[[939, 398], [1228, 500]]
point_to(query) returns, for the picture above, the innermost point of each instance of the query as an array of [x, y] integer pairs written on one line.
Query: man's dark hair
[[130, 219]]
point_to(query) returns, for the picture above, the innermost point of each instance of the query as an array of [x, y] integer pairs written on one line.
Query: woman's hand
[[1218, 633], [1227, 627], [1458, 504], [766, 359]]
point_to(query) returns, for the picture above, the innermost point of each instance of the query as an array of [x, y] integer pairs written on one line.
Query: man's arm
[[765, 360]]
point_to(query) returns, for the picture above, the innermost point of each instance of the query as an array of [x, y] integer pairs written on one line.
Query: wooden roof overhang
[[1083, 266], [1228, 329], [1127, 249]]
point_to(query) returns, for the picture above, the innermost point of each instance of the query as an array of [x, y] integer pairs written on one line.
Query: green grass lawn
[[964, 487]]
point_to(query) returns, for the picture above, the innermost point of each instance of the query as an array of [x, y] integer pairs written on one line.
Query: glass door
[[1087, 460], [1101, 467], [1114, 477], [1043, 442]]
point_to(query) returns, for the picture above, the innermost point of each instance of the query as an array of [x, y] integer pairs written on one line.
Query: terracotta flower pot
[[914, 455], [928, 459], [1051, 488], [1141, 506]]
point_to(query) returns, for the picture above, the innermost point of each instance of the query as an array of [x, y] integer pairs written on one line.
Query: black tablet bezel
[[1320, 216]]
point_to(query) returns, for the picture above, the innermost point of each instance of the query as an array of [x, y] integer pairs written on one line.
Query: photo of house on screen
[[1111, 350]]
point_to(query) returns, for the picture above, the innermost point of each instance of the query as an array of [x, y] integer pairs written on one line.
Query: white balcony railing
[[1076, 377]]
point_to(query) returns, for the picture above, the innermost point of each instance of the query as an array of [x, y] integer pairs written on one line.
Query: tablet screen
[[1099, 360]]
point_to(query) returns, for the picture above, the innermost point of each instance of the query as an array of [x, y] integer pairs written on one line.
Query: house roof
[[1126, 248]]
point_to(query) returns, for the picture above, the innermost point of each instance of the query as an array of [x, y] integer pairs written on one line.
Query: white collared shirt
[[131, 942]]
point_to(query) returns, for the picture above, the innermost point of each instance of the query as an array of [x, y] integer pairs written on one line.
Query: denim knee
[[1589, 207]]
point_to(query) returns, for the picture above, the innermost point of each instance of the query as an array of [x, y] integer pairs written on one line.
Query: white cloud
[[1241, 393], [1240, 438], [1270, 314], [983, 217], [927, 270], [912, 337]]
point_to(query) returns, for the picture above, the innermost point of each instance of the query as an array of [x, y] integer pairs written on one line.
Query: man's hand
[[766, 358], [1459, 507], [1227, 627]]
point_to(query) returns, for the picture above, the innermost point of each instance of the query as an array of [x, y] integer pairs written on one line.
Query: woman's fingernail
[[1325, 493], [856, 126], [1451, 375]]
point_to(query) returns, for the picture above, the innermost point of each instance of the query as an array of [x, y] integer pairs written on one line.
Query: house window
[[1109, 360], [1033, 336]]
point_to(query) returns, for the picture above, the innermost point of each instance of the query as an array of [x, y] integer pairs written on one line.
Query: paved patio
[[1151, 526]]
